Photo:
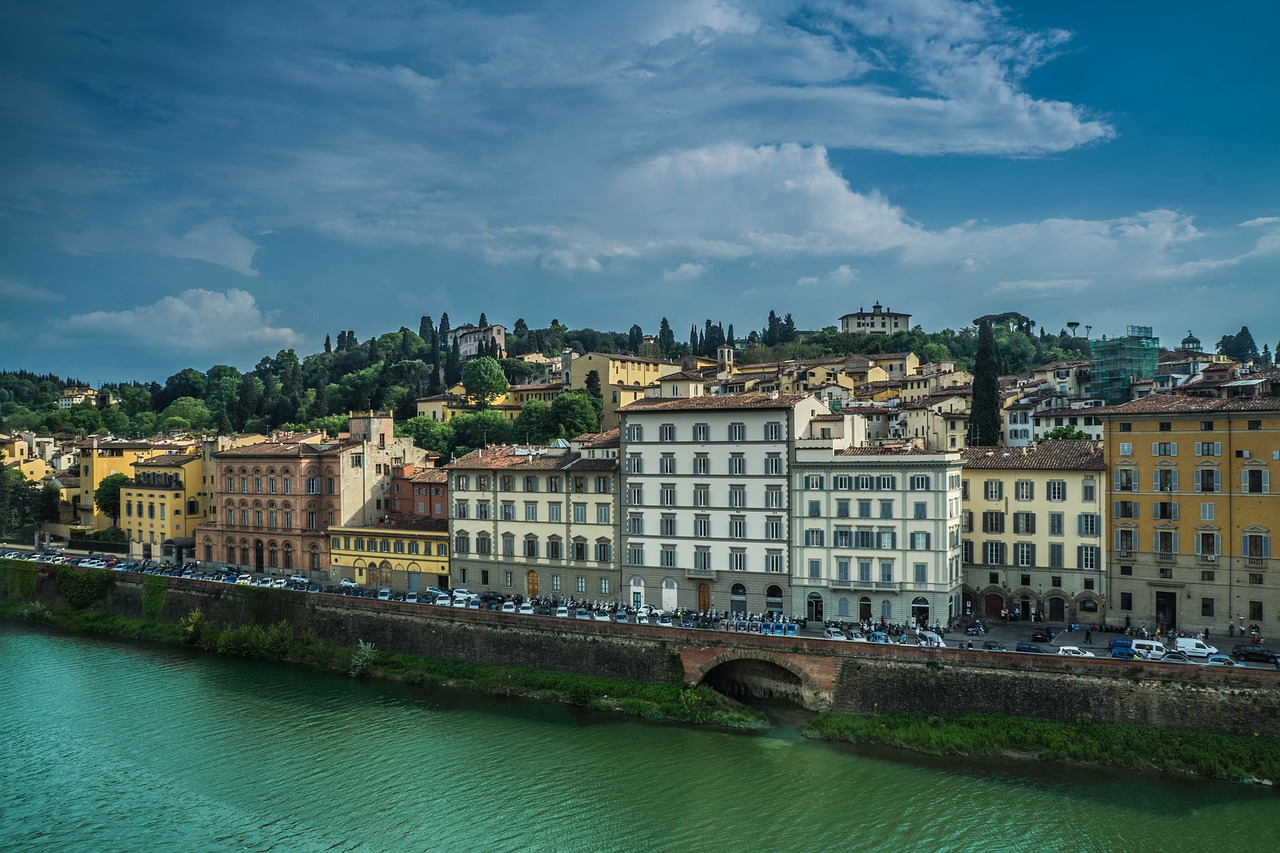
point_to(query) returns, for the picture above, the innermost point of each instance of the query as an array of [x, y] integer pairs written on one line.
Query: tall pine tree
[[984, 419]]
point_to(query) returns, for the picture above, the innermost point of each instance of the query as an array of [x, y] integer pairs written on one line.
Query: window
[[1206, 607], [1126, 509], [635, 463], [1165, 480], [667, 432], [842, 509], [919, 482], [1056, 559], [553, 513], [1208, 544], [667, 556], [667, 494], [702, 558], [604, 485], [508, 511], [635, 432], [920, 540], [1208, 448], [737, 432], [1126, 448], [864, 509], [579, 513], [886, 538], [1024, 490], [1164, 448], [1126, 601], [667, 464], [1256, 546], [1165, 510], [993, 521], [635, 495], [1024, 522], [635, 524], [773, 431], [737, 496], [815, 509], [737, 464], [737, 560], [635, 555], [1087, 524], [773, 528], [842, 538], [1255, 481], [701, 432], [701, 463], [921, 573], [602, 513], [886, 509], [814, 537], [1255, 577], [773, 561], [993, 553], [1166, 542], [1056, 490], [1255, 611], [530, 511], [886, 571], [701, 495], [1255, 425], [773, 464], [604, 552], [1206, 511], [993, 490], [702, 526], [604, 586], [1024, 554], [773, 497]]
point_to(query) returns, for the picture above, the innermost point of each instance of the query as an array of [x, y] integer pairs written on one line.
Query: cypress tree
[[984, 419], [328, 346]]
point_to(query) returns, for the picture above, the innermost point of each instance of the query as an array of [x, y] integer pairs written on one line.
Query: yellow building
[[406, 554], [623, 379], [160, 509], [1034, 531], [102, 457], [1193, 512]]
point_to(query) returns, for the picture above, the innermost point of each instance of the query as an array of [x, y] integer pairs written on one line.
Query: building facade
[[535, 521], [1035, 531], [160, 509], [878, 321], [623, 379], [706, 500], [403, 553], [875, 530], [1193, 512]]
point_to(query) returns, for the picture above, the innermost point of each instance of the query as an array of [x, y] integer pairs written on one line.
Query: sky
[[183, 184]]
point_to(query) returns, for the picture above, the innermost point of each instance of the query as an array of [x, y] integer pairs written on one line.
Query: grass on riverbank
[[1237, 757], [280, 642]]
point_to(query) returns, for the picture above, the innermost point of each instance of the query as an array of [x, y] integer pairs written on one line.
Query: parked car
[[834, 634], [1249, 651], [1126, 653], [1194, 647], [508, 607], [993, 646], [348, 583], [1028, 648], [442, 601], [601, 616], [1120, 643], [562, 613], [1220, 660], [1074, 652], [649, 610], [411, 597], [664, 621], [620, 616], [526, 609], [1042, 635], [489, 595], [1175, 657], [302, 579]]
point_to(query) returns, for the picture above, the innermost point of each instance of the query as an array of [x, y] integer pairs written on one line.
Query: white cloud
[[192, 321], [20, 291], [685, 272], [1035, 289], [171, 229]]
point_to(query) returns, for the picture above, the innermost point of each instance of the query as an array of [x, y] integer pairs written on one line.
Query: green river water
[[113, 746]]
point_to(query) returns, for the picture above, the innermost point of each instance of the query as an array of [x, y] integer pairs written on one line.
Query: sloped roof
[[1057, 455]]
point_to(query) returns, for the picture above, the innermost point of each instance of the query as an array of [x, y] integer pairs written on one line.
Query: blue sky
[[191, 184]]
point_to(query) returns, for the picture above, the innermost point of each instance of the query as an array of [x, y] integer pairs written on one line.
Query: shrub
[[362, 658], [82, 587], [155, 590]]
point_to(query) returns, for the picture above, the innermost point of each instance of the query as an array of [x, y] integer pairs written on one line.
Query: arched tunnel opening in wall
[[748, 679]]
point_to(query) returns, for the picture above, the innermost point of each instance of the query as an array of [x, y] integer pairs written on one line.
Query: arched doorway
[[1024, 607], [864, 608], [669, 594], [813, 607], [993, 604], [531, 584], [920, 610], [1057, 610], [637, 590], [773, 599], [704, 597], [738, 600]]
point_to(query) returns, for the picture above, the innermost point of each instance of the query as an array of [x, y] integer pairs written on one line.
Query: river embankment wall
[[850, 678]]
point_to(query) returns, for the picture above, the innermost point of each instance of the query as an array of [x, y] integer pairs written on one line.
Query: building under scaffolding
[[1117, 363]]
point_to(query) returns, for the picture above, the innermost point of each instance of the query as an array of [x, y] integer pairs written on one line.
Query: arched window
[[231, 550], [314, 562], [738, 599], [773, 599], [842, 606], [288, 555], [244, 551], [886, 609], [208, 550], [273, 556]]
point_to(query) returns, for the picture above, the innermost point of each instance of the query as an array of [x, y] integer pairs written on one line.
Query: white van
[[1151, 649], [1194, 648], [930, 638]]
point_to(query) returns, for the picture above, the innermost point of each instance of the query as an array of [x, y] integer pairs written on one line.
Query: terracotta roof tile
[[726, 403], [1057, 455], [1173, 404]]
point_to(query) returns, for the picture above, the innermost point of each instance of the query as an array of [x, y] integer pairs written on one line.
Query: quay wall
[[846, 677]]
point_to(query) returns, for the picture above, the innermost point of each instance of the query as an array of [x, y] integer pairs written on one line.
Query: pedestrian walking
[[1088, 637]]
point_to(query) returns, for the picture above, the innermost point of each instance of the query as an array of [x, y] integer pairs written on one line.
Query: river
[[114, 746]]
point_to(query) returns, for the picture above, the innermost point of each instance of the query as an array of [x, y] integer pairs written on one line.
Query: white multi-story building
[[706, 483], [875, 530]]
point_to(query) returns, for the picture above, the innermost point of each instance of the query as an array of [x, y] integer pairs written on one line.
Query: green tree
[[484, 381], [595, 393], [984, 420], [534, 425], [573, 414], [428, 434], [666, 338], [106, 498], [481, 429], [194, 412], [1063, 432]]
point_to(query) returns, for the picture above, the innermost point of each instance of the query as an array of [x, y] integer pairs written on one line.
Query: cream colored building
[[623, 379], [1035, 531]]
